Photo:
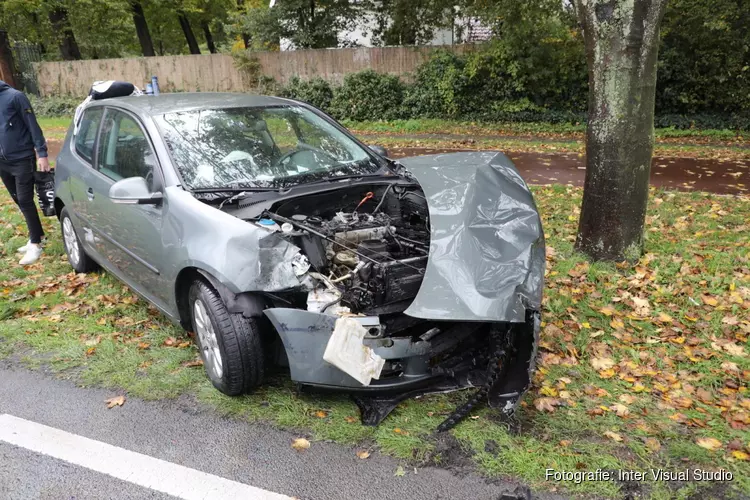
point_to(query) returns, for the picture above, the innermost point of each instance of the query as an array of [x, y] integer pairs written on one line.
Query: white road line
[[136, 468]]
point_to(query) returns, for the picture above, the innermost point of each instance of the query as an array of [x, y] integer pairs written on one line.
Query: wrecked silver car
[[274, 235]]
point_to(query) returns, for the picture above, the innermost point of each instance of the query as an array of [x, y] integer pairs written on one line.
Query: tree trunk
[[245, 36], [189, 35], [622, 40], [209, 37], [68, 45], [141, 28], [7, 67]]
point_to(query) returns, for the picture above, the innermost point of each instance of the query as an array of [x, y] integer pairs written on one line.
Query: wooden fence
[[218, 72]]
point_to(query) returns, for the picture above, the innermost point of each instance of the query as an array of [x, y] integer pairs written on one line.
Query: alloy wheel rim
[[209, 344], [71, 242]]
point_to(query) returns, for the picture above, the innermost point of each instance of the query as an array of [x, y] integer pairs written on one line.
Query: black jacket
[[20, 134]]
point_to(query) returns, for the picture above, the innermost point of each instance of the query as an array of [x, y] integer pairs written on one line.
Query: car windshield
[[259, 147]]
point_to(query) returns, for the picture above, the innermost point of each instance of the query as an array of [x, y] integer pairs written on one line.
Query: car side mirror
[[379, 150], [133, 191]]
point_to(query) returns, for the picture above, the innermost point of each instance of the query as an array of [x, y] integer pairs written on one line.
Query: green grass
[[680, 368], [511, 144], [54, 128], [561, 131]]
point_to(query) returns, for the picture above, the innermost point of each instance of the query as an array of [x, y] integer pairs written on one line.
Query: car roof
[[147, 105]]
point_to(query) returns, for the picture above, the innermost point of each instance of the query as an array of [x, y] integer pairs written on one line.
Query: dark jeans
[[18, 177]]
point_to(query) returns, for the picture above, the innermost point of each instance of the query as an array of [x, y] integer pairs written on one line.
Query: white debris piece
[[300, 264], [346, 352], [320, 297]]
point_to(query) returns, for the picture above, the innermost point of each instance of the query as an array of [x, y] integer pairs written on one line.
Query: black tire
[[77, 257], [238, 339]]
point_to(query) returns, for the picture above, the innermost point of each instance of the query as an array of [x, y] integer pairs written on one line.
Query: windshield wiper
[[334, 178], [235, 190]]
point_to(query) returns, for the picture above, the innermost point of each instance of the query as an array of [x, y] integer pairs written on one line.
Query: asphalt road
[[185, 433]]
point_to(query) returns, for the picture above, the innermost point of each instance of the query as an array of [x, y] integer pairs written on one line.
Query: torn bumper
[[458, 352], [305, 336]]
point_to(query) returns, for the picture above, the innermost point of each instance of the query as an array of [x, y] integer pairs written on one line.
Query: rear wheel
[[230, 344], [77, 258]]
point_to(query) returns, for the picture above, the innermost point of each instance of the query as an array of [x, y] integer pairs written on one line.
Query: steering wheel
[[301, 149]]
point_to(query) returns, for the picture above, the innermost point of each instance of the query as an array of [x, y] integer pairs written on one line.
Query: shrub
[[317, 92], [54, 106], [439, 88], [368, 95]]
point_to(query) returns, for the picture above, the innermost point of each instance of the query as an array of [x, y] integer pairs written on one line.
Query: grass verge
[[509, 144], [560, 131], [640, 367]]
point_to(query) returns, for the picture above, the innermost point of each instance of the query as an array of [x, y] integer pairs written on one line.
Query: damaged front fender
[[487, 257]]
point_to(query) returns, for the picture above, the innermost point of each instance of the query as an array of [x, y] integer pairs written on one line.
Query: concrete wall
[[217, 72]]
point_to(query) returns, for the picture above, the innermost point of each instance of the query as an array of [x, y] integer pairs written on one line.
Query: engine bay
[[367, 245]]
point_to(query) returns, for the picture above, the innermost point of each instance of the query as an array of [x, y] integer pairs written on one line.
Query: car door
[[131, 235], [81, 175]]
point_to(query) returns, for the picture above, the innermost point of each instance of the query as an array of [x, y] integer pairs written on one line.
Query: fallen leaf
[[607, 310], [400, 472], [545, 404], [708, 300], [620, 410], [300, 444], [730, 320], [350, 420], [664, 318], [95, 341], [641, 306], [602, 363], [115, 401], [730, 367], [627, 399], [613, 436], [712, 444], [734, 349], [740, 455], [321, 414], [363, 454], [653, 444]]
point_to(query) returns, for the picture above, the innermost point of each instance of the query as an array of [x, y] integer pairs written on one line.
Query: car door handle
[[90, 194]]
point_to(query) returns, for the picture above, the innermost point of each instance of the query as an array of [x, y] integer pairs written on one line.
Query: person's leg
[[24, 175], [10, 182]]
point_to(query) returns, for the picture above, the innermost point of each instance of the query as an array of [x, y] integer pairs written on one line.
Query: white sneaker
[[24, 248], [33, 252]]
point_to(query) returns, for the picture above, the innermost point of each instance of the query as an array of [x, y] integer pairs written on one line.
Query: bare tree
[[188, 31], [141, 28], [622, 41], [209, 37], [69, 50]]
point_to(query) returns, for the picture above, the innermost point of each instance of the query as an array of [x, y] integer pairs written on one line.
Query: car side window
[[86, 136], [124, 149]]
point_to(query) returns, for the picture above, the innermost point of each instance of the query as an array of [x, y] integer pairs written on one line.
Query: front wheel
[[230, 344], [77, 258]]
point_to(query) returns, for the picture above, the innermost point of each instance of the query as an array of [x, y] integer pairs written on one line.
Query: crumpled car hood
[[487, 255]]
